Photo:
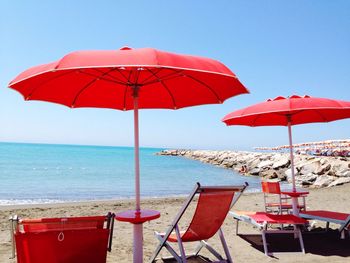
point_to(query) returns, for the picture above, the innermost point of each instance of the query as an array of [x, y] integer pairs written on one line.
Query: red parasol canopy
[[107, 79], [275, 112]]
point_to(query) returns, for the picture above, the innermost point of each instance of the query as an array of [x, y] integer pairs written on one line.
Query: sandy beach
[[335, 198]]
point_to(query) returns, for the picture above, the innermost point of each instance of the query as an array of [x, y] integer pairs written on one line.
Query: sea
[[48, 173]]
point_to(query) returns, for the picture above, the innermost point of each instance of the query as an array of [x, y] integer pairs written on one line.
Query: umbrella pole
[[136, 150], [138, 231], [294, 199]]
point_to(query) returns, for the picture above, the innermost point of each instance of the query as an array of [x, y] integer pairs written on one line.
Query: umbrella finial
[[125, 48]]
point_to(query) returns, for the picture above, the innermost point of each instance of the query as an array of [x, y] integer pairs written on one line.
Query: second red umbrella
[[290, 111]]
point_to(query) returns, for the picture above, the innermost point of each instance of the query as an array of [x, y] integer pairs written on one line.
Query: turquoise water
[[43, 173]]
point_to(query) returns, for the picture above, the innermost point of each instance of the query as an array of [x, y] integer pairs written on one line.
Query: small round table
[[294, 195], [137, 216]]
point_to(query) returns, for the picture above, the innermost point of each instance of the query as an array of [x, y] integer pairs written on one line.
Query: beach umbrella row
[[328, 143]]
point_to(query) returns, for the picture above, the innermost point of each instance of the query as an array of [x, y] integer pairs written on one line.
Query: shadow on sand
[[316, 242]]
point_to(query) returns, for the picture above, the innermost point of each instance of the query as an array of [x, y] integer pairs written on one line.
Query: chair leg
[[224, 245], [13, 221], [181, 247], [198, 248], [237, 221], [301, 241], [212, 250], [166, 245], [263, 234], [342, 234], [327, 226]]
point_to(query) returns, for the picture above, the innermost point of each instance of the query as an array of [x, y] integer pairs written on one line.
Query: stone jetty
[[310, 171]]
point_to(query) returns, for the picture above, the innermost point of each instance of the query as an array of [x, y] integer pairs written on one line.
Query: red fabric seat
[[62, 240], [211, 211], [44, 224], [86, 246], [328, 214], [261, 217]]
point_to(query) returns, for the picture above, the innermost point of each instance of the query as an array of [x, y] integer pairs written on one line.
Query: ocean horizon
[[32, 173]]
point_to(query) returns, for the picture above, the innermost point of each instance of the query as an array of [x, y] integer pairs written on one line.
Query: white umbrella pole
[[294, 199], [138, 233], [136, 152]]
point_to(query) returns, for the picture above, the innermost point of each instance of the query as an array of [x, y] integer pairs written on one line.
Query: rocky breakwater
[[310, 171]]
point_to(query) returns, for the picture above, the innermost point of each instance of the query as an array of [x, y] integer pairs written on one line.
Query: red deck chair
[[275, 202], [213, 205], [63, 240], [264, 220]]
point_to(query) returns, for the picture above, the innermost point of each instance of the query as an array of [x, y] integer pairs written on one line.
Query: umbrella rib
[[102, 78], [324, 119], [113, 78], [255, 119], [138, 73], [126, 88], [172, 75], [44, 82], [165, 87], [127, 79], [89, 85], [144, 81], [205, 85]]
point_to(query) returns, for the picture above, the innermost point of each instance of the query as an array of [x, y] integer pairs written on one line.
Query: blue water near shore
[[44, 173]]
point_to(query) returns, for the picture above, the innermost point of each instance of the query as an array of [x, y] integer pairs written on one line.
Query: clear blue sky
[[274, 47]]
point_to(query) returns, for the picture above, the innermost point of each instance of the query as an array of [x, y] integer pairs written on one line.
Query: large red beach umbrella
[[290, 111], [130, 79]]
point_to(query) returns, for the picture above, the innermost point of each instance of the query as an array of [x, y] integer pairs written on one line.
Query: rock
[[281, 163], [253, 163], [323, 169], [306, 179], [323, 180], [269, 174], [282, 176], [288, 173], [227, 163], [309, 167], [340, 181], [346, 174], [266, 163], [338, 167], [254, 171]]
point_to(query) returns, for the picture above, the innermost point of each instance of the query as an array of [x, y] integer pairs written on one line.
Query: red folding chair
[[63, 240], [213, 205], [275, 201]]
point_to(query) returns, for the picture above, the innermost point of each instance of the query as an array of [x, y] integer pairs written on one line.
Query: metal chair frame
[[182, 257]]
